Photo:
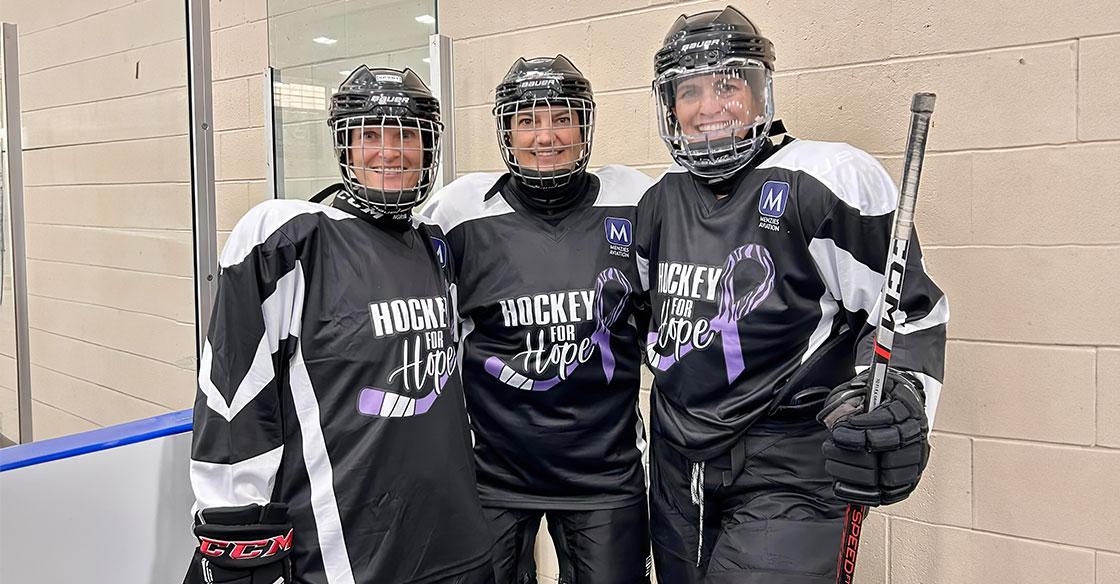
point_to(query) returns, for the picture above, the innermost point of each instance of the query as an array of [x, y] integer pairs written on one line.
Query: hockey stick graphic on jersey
[[604, 320], [731, 311], [921, 108], [382, 403]]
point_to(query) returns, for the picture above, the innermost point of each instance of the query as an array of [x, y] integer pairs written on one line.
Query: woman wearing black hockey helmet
[[551, 367], [317, 457], [545, 115], [386, 127], [747, 487], [715, 92]]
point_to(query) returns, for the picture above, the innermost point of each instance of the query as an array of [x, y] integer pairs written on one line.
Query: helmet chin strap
[[551, 201], [345, 201], [725, 185]]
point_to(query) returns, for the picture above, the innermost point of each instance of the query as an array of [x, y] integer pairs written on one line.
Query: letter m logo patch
[[772, 201], [440, 247], [619, 232]]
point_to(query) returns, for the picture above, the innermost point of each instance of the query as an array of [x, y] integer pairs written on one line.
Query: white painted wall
[[120, 515]]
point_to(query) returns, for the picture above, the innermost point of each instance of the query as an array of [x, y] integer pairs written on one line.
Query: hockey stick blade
[[921, 109]]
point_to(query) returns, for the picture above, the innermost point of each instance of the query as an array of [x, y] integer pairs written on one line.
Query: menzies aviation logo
[[620, 234], [772, 203], [440, 247]]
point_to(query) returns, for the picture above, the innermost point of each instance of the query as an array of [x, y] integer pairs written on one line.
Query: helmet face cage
[[388, 162], [545, 141], [714, 119]]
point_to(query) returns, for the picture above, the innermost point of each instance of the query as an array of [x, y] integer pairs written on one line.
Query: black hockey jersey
[[329, 381], [551, 341], [772, 289]]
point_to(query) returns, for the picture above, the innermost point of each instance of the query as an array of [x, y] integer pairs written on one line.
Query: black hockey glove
[[242, 545], [876, 457]]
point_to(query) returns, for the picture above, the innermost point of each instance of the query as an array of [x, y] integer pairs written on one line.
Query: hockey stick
[[921, 108]]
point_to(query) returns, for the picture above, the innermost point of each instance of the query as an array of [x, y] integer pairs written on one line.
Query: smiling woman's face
[[386, 158], [713, 106], [546, 138]]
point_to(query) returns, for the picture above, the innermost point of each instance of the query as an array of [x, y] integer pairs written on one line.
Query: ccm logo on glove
[[245, 550]]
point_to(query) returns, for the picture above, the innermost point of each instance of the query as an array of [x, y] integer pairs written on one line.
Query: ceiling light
[[322, 40], [426, 19]]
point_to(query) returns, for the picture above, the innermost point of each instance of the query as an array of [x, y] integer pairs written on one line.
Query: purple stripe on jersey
[[371, 399]]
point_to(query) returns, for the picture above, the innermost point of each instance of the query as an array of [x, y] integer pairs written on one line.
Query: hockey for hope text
[[555, 345]]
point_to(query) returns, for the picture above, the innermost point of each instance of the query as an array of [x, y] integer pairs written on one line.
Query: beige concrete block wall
[[108, 199], [1019, 217], [239, 46]]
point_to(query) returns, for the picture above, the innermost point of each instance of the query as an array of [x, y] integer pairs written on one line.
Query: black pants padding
[[769, 513], [603, 546]]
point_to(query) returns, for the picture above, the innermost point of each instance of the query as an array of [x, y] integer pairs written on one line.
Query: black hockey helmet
[[714, 84], [386, 127], [544, 96]]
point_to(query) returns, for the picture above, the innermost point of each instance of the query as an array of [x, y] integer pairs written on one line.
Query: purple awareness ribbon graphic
[[601, 338], [731, 311]]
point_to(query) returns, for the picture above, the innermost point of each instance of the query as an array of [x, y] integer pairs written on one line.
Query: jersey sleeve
[[238, 439], [647, 226], [849, 247]]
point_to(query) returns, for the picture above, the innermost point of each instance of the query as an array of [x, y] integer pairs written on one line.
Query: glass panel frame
[[313, 46], [137, 322]]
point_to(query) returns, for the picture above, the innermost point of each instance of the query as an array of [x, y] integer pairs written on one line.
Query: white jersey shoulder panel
[[621, 186], [853, 175], [462, 201], [265, 219]]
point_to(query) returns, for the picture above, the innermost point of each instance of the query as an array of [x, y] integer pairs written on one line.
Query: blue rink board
[[22, 455]]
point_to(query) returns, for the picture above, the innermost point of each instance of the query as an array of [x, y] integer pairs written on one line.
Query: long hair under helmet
[[386, 127], [714, 88]]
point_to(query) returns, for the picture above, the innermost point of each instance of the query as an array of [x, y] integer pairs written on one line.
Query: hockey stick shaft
[[921, 109]]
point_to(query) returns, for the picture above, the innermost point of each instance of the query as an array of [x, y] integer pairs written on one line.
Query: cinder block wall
[[108, 200], [1019, 215], [1020, 218], [106, 172]]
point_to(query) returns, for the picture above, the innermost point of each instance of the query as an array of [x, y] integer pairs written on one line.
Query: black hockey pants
[[603, 546], [769, 515]]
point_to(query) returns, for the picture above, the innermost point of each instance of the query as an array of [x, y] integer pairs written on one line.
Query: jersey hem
[[452, 571], [561, 503]]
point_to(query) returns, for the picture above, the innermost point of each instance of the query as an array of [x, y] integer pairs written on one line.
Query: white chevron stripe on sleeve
[[281, 319], [933, 394], [856, 286], [829, 308], [240, 483], [939, 315]]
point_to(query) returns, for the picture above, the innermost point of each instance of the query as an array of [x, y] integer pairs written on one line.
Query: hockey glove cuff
[[242, 545], [876, 457]]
